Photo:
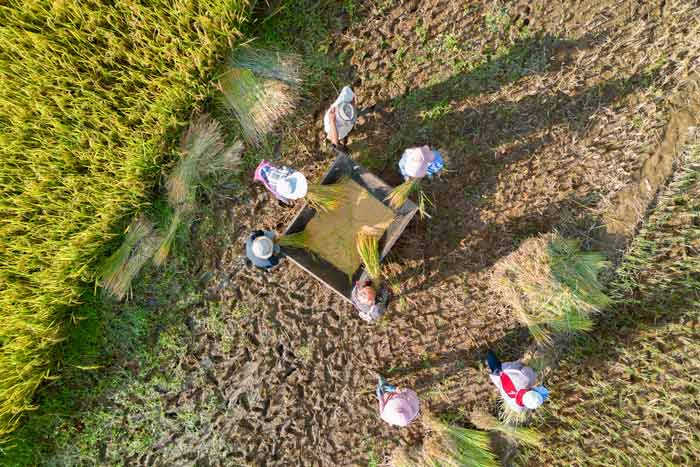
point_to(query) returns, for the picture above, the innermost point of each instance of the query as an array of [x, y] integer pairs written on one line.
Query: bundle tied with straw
[[368, 249], [324, 198], [400, 194]]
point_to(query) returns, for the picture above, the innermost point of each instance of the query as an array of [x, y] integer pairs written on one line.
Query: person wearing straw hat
[[397, 406], [261, 250], [420, 162], [285, 183], [369, 304], [340, 117], [516, 384]]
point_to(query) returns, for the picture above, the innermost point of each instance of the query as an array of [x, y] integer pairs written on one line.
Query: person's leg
[[493, 362], [383, 387]]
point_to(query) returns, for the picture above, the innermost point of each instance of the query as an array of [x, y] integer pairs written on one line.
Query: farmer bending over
[[369, 306], [261, 250], [340, 117], [396, 406], [515, 382], [419, 162], [284, 182]]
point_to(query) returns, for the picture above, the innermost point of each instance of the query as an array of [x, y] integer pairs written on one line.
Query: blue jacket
[[264, 263]]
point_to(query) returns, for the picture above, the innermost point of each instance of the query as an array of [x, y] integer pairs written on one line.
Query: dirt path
[[540, 131]]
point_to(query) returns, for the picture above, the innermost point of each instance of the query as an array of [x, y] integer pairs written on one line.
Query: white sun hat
[[263, 247], [346, 111], [417, 161], [293, 186], [532, 399]]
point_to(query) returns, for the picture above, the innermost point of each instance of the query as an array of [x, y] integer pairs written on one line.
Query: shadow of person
[[482, 144]]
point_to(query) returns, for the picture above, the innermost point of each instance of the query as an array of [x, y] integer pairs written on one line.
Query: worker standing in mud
[[370, 303], [516, 384], [285, 183], [397, 406], [261, 250], [340, 117]]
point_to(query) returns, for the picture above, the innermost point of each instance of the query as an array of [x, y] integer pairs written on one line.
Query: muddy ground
[[551, 115]]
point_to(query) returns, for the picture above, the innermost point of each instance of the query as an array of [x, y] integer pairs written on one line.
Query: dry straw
[[260, 87], [74, 164], [367, 243], [552, 285]]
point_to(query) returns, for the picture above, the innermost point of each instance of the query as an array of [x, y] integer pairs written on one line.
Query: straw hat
[[263, 247], [293, 186], [417, 161], [532, 399]]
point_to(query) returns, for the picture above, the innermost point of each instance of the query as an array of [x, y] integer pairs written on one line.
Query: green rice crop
[[294, 240], [552, 285], [91, 93]]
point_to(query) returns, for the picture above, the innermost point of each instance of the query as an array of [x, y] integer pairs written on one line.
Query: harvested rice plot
[[332, 234]]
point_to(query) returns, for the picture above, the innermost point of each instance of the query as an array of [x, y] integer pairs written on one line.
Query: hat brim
[[298, 181]]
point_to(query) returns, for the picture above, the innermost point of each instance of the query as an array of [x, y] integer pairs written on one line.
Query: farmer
[[284, 182], [261, 250], [340, 117], [370, 306], [396, 406], [515, 382], [419, 162]]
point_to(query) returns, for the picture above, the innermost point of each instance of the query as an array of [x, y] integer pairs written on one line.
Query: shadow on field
[[482, 143]]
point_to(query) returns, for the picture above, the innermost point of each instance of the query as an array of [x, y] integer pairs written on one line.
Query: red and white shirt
[[513, 382]]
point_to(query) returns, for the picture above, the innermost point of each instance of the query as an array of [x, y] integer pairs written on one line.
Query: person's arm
[[334, 130]]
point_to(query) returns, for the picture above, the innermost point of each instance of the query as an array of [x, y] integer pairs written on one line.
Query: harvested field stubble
[[89, 96], [627, 397], [548, 111]]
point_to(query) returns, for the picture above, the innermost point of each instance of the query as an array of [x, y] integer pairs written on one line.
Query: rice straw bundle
[[294, 240], [487, 422], [260, 87], [138, 247], [324, 198], [368, 249], [400, 194]]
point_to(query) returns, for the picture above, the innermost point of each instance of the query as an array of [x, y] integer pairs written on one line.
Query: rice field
[[92, 94], [627, 397]]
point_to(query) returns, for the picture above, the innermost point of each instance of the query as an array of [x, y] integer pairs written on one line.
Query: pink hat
[[417, 161], [401, 408]]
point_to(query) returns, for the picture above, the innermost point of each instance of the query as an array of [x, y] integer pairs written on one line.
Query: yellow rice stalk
[[324, 198], [400, 194], [295, 240], [368, 249]]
